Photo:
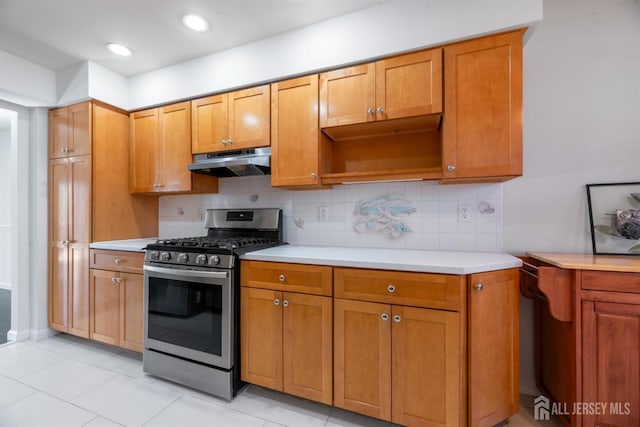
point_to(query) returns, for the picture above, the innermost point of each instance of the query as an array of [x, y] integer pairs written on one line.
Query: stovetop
[[231, 232], [214, 244]]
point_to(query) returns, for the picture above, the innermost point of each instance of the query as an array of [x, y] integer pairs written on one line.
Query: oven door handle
[[188, 273]]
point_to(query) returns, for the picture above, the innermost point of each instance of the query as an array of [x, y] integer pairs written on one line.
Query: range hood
[[251, 161]]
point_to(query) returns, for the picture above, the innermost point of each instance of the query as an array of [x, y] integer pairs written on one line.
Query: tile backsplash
[[410, 215]]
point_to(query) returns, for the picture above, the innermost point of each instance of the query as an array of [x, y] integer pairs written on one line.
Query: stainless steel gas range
[[192, 299]]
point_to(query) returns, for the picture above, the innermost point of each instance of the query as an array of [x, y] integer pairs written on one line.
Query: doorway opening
[[8, 120]]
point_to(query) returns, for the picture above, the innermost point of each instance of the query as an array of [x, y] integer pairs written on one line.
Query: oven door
[[188, 313]]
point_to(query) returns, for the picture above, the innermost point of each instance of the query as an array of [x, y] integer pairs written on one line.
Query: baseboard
[[15, 336], [40, 334], [30, 334]]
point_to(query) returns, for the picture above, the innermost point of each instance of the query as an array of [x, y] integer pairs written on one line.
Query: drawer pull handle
[[118, 261], [391, 288], [478, 286], [281, 277], [397, 318], [276, 301], [285, 303], [384, 316]]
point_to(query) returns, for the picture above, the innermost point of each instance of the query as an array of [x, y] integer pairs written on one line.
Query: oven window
[[186, 314]]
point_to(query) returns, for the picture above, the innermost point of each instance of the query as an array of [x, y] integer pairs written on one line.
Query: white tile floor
[[66, 381]]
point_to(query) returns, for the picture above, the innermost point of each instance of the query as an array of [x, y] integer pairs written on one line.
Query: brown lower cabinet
[[416, 349], [587, 336], [286, 337], [116, 298]]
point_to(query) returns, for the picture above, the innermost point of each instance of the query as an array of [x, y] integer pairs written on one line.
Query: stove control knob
[[214, 260], [165, 256], [154, 255], [201, 259], [183, 258]]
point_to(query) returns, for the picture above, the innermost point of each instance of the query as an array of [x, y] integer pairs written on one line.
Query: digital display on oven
[[240, 216]]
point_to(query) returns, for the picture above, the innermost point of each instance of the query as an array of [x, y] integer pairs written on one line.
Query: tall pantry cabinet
[[89, 201]]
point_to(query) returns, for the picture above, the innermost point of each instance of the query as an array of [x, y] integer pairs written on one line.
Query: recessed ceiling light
[[119, 49], [195, 22]]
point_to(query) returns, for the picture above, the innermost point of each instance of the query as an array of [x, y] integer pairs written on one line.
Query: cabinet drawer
[[396, 287], [303, 278], [611, 281], [117, 260]]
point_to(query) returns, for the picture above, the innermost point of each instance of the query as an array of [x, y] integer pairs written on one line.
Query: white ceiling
[[59, 33]]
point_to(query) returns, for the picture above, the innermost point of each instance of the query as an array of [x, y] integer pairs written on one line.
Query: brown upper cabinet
[[70, 130], [482, 132], [161, 150], [397, 87], [295, 135], [231, 121]]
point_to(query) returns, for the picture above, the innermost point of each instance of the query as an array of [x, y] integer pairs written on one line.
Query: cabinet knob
[[285, 303], [391, 288], [371, 110], [281, 277], [397, 318], [116, 280], [65, 242], [451, 168], [118, 261], [223, 142], [63, 150], [229, 141], [276, 301], [313, 175], [380, 110], [159, 185], [384, 316], [478, 286]]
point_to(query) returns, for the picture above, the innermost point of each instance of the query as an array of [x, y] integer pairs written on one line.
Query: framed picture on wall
[[614, 217]]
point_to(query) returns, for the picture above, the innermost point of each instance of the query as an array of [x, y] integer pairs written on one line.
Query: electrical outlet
[[199, 214], [323, 213], [464, 212]]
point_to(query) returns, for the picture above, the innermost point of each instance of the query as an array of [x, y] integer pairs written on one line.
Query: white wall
[[5, 211], [25, 83], [581, 109], [357, 37]]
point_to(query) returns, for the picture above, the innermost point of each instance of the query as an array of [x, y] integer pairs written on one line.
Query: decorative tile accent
[[383, 215]]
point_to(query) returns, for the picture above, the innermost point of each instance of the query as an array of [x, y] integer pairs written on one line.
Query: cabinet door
[[409, 85], [261, 337], [175, 147], [493, 317], [58, 132], [347, 96], [105, 306], [482, 135], [308, 346], [294, 132], [426, 361], [362, 357], [611, 362], [131, 311], [70, 130], [80, 129], [249, 118], [209, 124], [79, 221], [143, 173], [59, 195]]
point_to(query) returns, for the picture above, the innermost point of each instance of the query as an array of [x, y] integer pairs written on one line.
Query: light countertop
[[623, 263], [129, 245], [443, 262]]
